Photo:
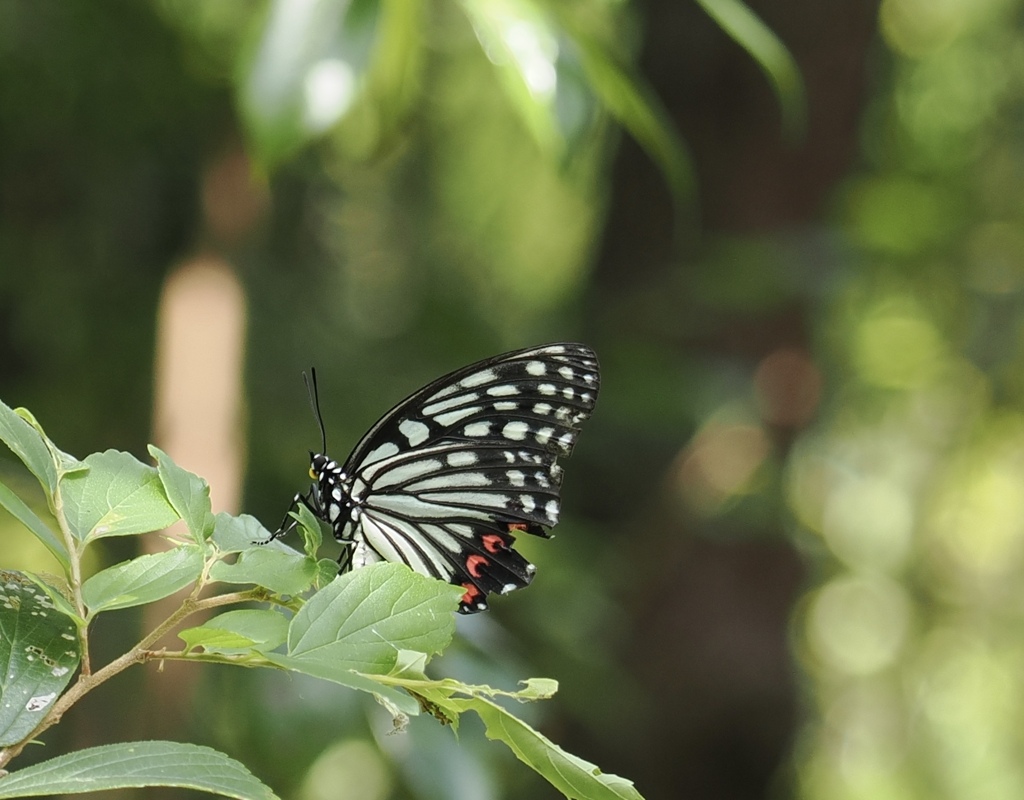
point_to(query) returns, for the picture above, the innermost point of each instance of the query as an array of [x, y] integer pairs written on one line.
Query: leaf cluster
[[359, 64], [371, 630]]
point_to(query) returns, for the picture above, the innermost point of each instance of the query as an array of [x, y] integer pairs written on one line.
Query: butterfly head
[[318, 465]]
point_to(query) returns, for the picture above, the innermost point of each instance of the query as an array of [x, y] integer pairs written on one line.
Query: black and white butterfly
[[445, 480]]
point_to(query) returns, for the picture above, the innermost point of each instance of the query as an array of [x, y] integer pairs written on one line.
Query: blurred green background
[[792, 544]]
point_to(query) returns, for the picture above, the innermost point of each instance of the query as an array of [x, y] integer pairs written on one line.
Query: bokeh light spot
[[329, 90], [788, 387], [899, 216], [720, 462], [348, 770], [896, 348], [979, 516], [869, 523], [919, 27], [858, 623]]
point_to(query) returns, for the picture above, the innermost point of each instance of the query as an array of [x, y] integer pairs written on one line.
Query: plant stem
[[141, 652], [75, 564]]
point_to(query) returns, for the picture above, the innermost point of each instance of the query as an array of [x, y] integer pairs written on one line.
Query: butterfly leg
[[288, 524]]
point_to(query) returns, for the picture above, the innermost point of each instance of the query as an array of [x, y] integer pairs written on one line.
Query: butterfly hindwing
[[445, 480]]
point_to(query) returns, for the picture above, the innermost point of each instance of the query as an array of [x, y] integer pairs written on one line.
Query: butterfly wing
[[447, 477]]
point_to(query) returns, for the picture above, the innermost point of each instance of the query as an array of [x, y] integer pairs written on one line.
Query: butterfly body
[[445, 480]]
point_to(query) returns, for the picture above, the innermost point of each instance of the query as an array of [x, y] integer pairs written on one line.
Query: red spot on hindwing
[[471, 595], [514, 527], [493, 543], [473, 564]]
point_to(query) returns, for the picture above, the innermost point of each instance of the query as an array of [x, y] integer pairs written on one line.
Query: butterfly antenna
[[314, 403]]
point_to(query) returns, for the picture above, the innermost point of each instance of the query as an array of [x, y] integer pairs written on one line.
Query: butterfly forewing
[[446, 478], [535, 397]]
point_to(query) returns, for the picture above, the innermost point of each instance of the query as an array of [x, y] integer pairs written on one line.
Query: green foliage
[[39, 645], [771, 55], [117, 496], [137, 765], [332, 62], [373, 629]]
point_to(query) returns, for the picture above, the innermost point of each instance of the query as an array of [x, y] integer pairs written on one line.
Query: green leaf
[[575, 778], [750, 33], [537, 689], [235, 534], [187, 493], [326, 571], [395, 72], [64, 462], [143, 579], [40, 650], [630, 101], [239, 631], [309, 527], [363, 618], [45, 583], [282, 572], [28, 444], [572, 776], [118, 496], [520, 41], [137, 764], [304, 74], [395, 701], [27, 517]]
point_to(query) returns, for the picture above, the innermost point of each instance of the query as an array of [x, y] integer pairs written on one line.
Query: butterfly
[[446, 479]]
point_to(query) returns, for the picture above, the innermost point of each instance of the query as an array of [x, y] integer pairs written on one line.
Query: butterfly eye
[[312, 473]]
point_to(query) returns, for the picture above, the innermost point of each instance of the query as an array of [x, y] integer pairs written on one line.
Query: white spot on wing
[[484, 499], [385, 450], [462, 458], [536, 368], [551, 509], [415, 432], [506, 405], [566, 372], [404, 472], [527, 502], [542, 408], [444, 405], [478, 429], [442, 538], [451, 417], [459, 480], [544, 435], [484, 376], [515, 430], [547, 388], [502, 390], [516, 477]]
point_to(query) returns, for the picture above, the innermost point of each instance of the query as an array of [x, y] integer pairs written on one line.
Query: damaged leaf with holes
[[39, 646]]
